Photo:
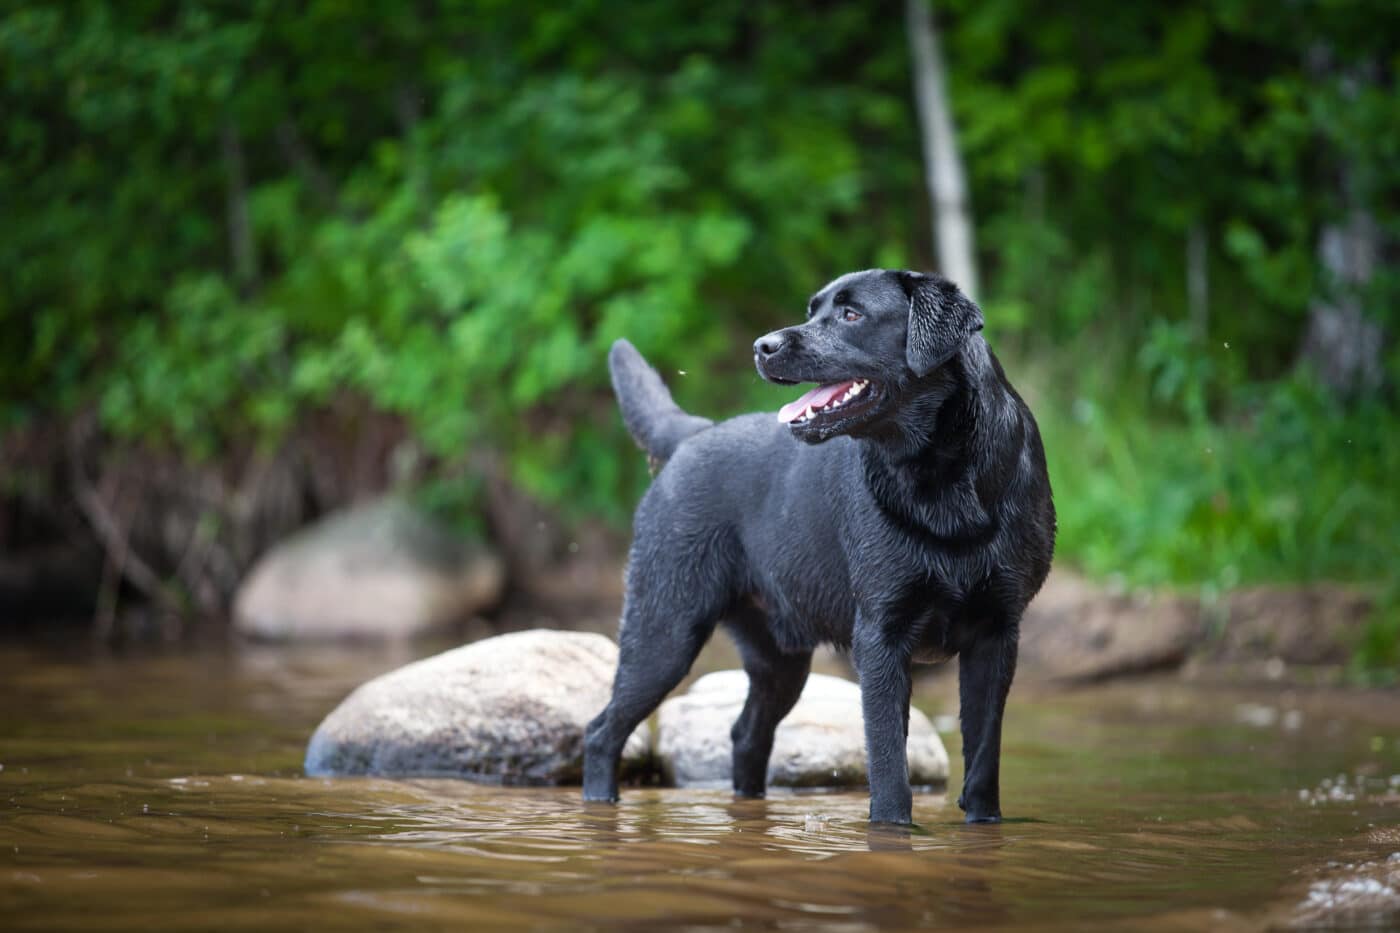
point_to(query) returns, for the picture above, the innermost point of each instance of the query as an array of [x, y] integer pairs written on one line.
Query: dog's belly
[[932, 654], [802, 617], [798, 575], [804, 623]]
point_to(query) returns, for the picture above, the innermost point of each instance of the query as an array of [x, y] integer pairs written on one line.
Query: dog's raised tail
[[651, 415]]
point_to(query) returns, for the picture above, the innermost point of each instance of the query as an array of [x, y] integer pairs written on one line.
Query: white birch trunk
[[1343, 343], [943, 168]]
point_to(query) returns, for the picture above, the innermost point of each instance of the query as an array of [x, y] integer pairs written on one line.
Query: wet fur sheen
[[916, 529]]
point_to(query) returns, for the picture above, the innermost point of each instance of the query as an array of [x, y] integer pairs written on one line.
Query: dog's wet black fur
[[913, 522]]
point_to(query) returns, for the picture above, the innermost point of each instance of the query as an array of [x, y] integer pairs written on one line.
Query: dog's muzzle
[[769, 349]]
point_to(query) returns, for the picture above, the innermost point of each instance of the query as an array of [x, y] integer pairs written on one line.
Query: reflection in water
[[971, 886], [883, 838], [167, 792]]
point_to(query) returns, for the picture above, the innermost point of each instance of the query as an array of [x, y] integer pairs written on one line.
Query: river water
[[166, 791]]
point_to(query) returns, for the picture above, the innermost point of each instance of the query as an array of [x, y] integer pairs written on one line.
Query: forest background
[[259, 260]]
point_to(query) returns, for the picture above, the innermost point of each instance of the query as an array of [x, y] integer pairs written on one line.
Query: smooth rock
[[1077, 631], [1314, 624], [509, 709], [821, 743], [382, 571]]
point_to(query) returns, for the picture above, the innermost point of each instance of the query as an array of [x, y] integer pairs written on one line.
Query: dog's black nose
[[768, 345]]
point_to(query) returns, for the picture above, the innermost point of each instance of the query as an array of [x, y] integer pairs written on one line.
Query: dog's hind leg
[[986, 667], [775, 683], [655, 655], [674, 600]]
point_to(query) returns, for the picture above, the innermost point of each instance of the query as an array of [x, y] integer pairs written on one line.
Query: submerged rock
[[821, 743], [383, 570], [509, 709]]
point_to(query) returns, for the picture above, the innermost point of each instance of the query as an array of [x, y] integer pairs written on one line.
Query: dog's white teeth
[[808, 413]]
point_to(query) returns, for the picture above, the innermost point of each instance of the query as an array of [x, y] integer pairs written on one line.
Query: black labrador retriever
[[901, 509]]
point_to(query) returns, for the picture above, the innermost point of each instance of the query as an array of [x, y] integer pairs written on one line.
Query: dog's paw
[[978, 813], [975, 817]]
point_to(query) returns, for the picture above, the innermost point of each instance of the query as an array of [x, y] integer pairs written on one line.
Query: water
[[144, 791]]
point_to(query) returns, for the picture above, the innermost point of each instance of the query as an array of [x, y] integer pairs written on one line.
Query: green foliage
[[453, 231], [1290, 486]]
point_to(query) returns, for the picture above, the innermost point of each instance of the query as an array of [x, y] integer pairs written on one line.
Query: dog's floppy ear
[[941, 317]]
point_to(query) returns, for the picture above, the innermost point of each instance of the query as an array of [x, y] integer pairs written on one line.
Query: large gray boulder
[[509, 709], [383, 571], [821, 743]]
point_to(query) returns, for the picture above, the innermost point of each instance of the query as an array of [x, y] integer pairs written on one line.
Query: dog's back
[[763, 516]]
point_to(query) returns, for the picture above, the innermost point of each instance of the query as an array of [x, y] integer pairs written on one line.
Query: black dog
[[914, 523]]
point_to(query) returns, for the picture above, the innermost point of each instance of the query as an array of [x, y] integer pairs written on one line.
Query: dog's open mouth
[[825, 400]]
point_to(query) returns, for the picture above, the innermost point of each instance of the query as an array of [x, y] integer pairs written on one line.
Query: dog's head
[[870, 339]]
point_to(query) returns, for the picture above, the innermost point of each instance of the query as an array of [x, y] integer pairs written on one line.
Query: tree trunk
[[1343, 344], [943, 168], [303, 161], [1197, 279], [242, 250]]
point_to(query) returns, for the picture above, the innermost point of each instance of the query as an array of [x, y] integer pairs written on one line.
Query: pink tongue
[[816, 398]]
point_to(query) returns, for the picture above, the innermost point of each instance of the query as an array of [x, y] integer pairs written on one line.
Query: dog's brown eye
[[850, 314]]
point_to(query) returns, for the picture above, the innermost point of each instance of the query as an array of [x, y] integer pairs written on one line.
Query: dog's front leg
[[986, 667], [885, 677]]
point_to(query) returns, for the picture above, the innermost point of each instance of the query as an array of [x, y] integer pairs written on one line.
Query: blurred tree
[[947, 180], [1343, 343]]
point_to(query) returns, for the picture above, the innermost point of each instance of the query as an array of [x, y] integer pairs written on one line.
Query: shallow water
[[167, 791]]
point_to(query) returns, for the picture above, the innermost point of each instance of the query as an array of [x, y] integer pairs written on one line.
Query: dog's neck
[[946, 410], [921, 466]]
